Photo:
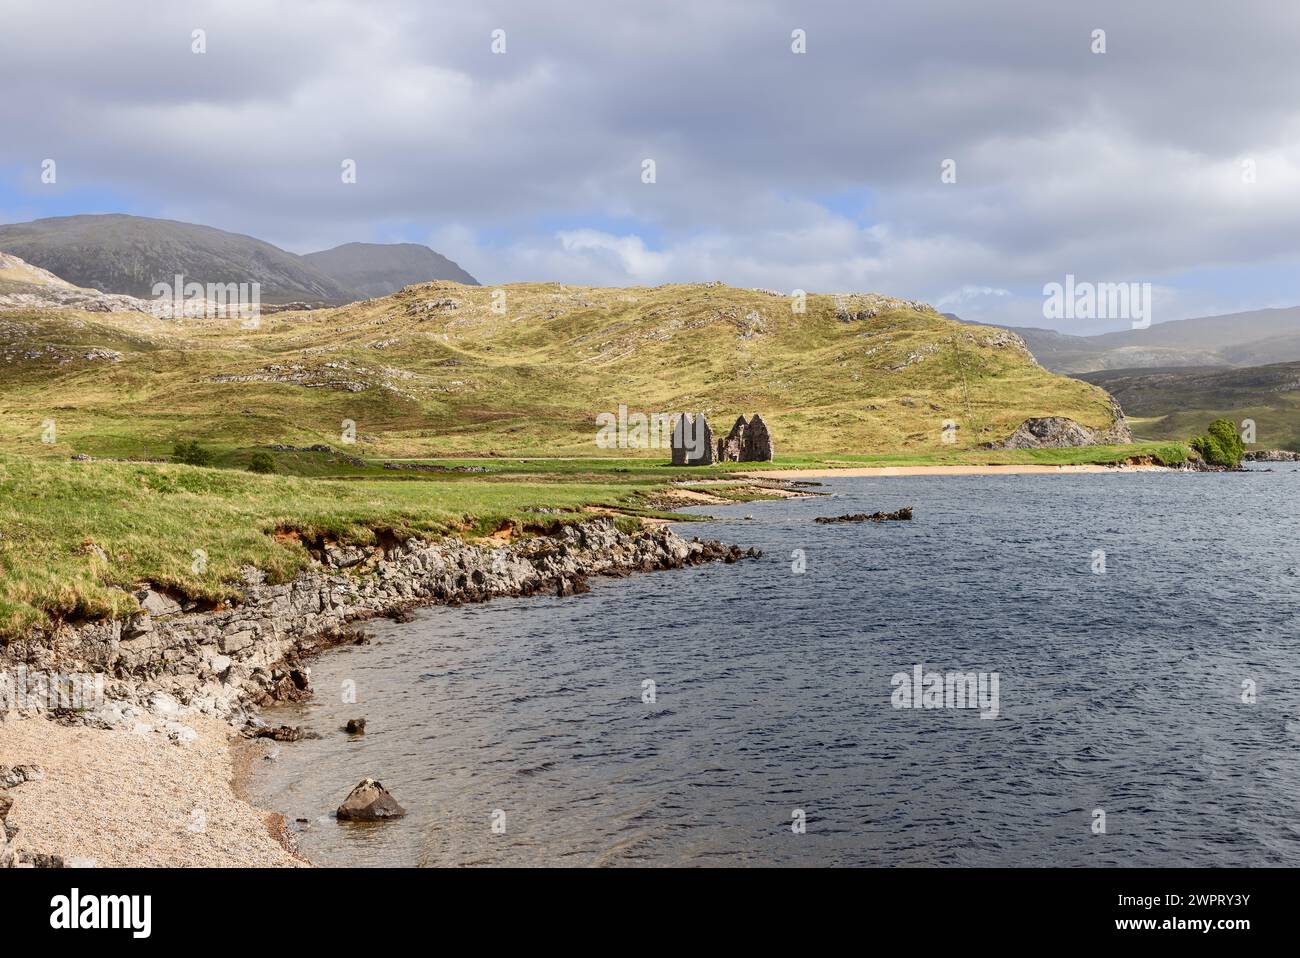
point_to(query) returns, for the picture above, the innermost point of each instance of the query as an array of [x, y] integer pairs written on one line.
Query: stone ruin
[[748, 441], [692, 441]]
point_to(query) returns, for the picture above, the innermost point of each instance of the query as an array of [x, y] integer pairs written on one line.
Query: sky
[[1171, 158]]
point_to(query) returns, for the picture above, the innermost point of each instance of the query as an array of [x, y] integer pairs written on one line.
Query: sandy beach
[[125, 798], [849, 472]]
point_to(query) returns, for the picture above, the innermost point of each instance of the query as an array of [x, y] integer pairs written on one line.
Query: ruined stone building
[[748, 441], [692, 441]]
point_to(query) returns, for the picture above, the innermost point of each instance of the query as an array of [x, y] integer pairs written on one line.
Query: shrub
[[1221, 446], [191, 454], [261, 462]]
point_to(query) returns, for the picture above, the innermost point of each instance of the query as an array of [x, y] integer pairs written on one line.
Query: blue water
[[1119, 692]]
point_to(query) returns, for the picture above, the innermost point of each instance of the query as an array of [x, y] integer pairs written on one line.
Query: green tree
[[1221, 445], [261, 462], [191, 454]]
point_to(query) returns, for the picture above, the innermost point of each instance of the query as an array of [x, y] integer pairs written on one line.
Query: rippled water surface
[[1120, 692]]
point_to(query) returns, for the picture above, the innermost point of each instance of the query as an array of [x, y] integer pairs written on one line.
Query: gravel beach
[[123, 798]]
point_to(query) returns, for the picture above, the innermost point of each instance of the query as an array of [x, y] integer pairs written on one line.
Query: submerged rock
[[902, 514], [355, 726], [369, 802], [284, 733]]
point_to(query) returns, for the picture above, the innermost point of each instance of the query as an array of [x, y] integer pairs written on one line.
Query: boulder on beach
[[369, 802]]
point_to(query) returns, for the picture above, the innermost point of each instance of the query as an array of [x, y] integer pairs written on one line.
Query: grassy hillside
[[1174, 403], [436, 371]]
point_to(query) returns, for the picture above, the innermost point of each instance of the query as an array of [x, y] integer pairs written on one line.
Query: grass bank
[[74, 536]]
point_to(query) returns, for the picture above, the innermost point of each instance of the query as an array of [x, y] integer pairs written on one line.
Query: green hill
[[437, 370]]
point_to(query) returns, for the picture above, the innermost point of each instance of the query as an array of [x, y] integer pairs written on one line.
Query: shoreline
[[155, 774], [857, 472]]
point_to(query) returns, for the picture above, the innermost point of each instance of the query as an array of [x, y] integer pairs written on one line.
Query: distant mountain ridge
[[378, 269], [1175, 402], [1236, 339], [118, 253]]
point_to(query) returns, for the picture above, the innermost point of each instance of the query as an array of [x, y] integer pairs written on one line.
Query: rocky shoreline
[[175, 666], [1271, 455], [223, 661]]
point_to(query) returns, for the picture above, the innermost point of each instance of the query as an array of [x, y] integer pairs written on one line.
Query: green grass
[[468, 381], [149, 519]]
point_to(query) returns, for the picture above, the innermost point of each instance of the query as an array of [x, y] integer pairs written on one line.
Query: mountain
[[1173, 403], [1235, 339], [440, 369], [115, 253], [377, 269]]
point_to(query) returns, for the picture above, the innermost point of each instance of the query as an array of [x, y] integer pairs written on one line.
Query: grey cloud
[[1067, 162]]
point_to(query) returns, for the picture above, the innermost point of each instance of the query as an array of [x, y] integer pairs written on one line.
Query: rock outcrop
[[17, 774], [220, 661], [8, 834], [1271, 455], [369, 802], [11, 776], [1058, 432]]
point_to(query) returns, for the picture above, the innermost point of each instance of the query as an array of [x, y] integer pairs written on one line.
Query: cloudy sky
[[1172, 158]]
